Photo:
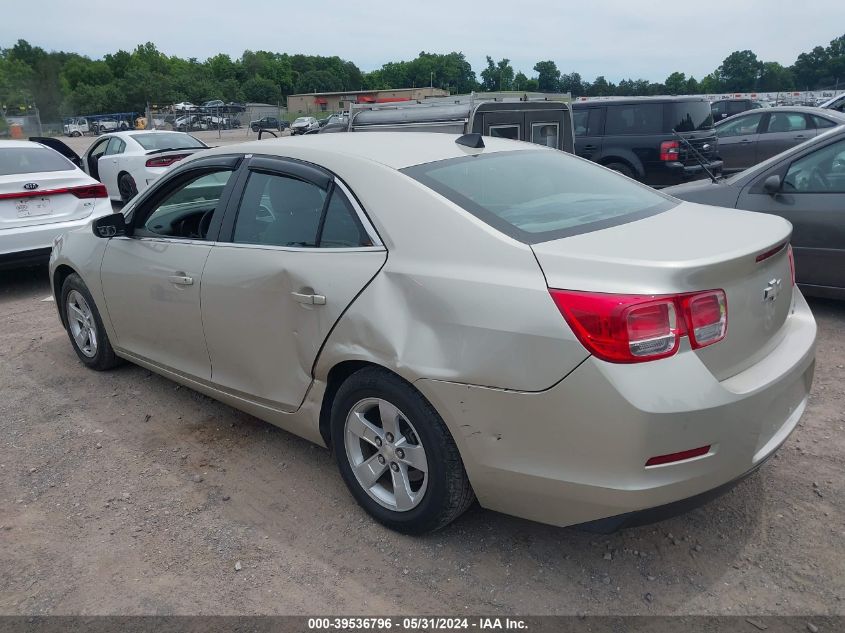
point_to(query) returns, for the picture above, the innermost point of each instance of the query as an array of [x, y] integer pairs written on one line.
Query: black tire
[[127, 188], [104, 358], [448, 493], [255, 128], [623, 169]]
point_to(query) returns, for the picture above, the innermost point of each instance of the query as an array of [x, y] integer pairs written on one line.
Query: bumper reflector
[[678, 457]]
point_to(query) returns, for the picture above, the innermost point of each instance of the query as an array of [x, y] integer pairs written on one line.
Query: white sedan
[[128, 162], [42, 195]]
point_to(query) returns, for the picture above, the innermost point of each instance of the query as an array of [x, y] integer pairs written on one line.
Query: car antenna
[[698, 157], [471, 140]]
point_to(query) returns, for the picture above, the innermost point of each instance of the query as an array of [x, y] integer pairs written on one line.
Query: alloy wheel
[[386, 455], [80, 320]]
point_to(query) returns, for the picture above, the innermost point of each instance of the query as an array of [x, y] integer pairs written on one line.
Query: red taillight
[[706, 314], [638, 328], [165, 161], [85, 191], [670, 150], [791, 262], [90, 191], [678, 457]]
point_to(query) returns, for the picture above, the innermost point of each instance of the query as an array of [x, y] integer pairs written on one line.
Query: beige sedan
[[458, 318]]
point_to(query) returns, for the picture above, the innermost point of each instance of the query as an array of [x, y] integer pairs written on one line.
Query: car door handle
[[745, 141], [314, 300], [799, 136], [589, 147], [181, 280]]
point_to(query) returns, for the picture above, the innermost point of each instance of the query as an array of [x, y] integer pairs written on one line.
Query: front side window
[[638, 118], [186, 212], [545, 134], [786, 122], [823, 171], [540, 195], [740, 127], [505, 131], [735, 107]]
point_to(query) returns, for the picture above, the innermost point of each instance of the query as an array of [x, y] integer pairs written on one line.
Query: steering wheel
[[818, 180], [205, 223]]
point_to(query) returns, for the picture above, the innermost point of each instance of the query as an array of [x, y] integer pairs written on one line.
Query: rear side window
[[786, 122], [820, 122], [278, 210], [735, 107], [689, 116], [637, 118], [26, 160], [536, 196]]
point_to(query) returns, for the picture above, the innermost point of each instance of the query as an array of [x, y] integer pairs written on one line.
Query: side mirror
[[111, 225], [771, 185]]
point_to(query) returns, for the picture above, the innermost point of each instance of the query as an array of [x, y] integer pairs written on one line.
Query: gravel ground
[[126, 494]]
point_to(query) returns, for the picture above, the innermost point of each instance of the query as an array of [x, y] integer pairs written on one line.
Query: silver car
[[458, 318]]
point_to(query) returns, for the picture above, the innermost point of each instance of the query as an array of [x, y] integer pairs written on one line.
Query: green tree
[[548, 76], [573, 84], [740, 71], [676, 83], [497, 76], [774, 77]]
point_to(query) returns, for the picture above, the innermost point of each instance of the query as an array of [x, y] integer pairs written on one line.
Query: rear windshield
[[25, 160], [688, 116], [167, 140], [536, 196]]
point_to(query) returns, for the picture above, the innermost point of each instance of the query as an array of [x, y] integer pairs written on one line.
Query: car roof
[[397, 150], [15, 144], [625, 100], [822, 112]]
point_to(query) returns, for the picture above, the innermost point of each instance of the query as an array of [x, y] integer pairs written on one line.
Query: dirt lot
[[124, 493]]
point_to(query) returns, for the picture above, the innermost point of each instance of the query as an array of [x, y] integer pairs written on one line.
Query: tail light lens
[[670, 150], [165, 161], [707, 317], [83, 192], [91, 191], [638, 328], [791, 263]]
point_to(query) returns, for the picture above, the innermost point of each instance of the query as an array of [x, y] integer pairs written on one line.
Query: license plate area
[[31, 207]]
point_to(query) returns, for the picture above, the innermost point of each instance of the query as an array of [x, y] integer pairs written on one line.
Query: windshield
[[167, 140], [689, 116], [27, 160], [535, 196]]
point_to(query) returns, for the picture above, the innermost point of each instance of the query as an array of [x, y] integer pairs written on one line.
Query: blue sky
[[616, 38]]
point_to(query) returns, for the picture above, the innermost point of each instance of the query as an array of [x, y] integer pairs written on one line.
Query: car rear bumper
[[21, 241], [576, 452], [675, 173]]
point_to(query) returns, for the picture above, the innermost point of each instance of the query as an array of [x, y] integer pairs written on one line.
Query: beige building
[[314, 102]]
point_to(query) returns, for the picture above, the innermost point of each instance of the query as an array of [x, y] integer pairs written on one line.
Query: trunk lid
[[47, 202], [689, 248]]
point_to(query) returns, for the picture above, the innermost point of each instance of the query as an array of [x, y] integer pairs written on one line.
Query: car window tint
[[341, 227], [741, 126], [786, 122], [167, 140], [735, 107], [100, 148], [279, 211], [639, 118], [27, 160], [539, 195], [116, 146], [544, 134], [186, 212], [505, 131], [822, 122], [822, 171]]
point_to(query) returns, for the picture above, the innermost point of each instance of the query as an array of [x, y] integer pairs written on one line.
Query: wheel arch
[[626, 158], [62, 272], [334, 379]]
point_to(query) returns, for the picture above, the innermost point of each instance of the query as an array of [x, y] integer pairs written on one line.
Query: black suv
[[723, 108], [660, 141]]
